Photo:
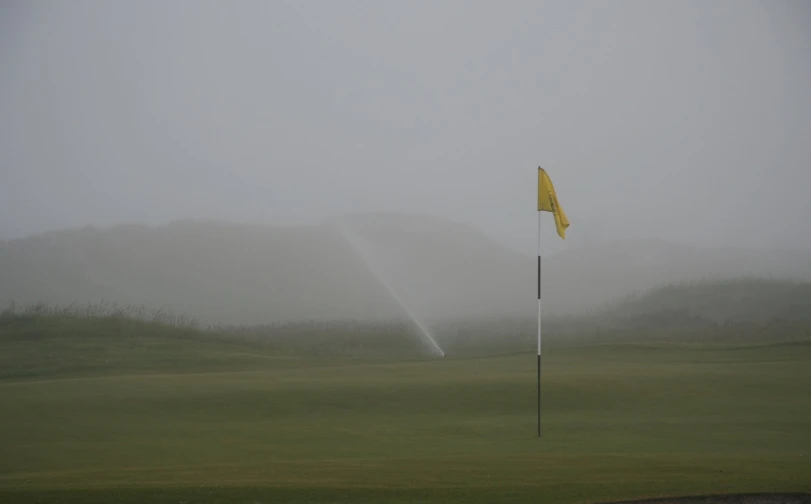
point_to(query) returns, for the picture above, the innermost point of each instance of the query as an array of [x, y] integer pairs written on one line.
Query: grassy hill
[[225, 273], [42, 342], [105, 409], [48, 346], [239, 274], [734, 311], [740, 311], [214, 272], [583, 280], [737, 300]]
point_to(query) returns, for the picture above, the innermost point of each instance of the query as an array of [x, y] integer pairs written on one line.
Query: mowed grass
[[619, 422]]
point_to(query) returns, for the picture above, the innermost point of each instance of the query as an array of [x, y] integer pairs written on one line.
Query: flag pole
[[539, 320], [547, 202]]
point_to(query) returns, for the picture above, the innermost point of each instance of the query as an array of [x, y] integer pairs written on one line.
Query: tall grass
[[309, 338], [729, 312], [102, 309]]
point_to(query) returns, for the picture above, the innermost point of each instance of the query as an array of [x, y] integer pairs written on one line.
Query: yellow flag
[[548, 202]]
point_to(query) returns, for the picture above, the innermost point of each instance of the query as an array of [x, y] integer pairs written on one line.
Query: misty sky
[[686, 121]]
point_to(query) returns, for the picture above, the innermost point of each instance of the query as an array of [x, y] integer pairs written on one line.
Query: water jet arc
[[426, 334]]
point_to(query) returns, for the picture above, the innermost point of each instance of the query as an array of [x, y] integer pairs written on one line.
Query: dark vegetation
[[47, 341], [731, 312], [739, 311]]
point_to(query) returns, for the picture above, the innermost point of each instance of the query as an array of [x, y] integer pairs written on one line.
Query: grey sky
[[686, 121]]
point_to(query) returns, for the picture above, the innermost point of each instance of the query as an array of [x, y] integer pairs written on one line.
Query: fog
[[285, 251], [684, 121]]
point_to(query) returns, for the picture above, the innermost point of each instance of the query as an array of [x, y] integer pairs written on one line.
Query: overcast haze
[[686, 121]]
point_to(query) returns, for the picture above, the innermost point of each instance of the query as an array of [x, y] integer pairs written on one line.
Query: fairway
[[620, 422]]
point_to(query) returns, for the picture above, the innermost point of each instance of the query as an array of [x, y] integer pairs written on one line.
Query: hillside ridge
[[221, 272]]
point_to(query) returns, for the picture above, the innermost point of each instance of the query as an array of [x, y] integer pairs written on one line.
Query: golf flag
[[548, 202]]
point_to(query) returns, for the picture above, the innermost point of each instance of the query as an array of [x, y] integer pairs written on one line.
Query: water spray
[[426, 334]]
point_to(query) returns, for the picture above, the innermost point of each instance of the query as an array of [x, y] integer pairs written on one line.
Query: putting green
[[619, 422]]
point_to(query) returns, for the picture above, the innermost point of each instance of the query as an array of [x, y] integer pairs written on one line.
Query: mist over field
[[222, 273], [681, 121], [281, 251], [197, 159]]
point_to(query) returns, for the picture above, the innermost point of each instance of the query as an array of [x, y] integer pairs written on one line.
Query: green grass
[[63, 346], [54, 344], [181, 418]]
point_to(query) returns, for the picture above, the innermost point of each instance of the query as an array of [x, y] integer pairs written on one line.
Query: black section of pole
[[539, 277]]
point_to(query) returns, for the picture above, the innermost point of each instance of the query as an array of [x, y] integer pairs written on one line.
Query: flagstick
[[539, 324]]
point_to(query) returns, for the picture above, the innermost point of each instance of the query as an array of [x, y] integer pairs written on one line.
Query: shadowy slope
[[248, 274]]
